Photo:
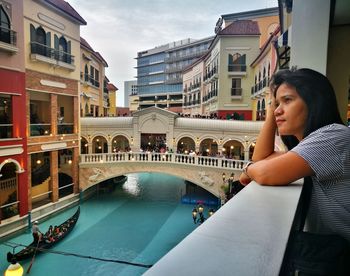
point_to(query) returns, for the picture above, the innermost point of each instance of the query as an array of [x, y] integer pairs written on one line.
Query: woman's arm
[[265, 144], [281, 170]]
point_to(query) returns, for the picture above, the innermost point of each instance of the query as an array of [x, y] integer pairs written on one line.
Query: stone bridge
[[206, 172]]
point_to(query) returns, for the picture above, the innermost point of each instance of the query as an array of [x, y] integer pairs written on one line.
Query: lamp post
[[14, 269], [197, 214]]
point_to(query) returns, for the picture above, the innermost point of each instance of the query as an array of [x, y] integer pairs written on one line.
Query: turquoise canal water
[[140, 221]]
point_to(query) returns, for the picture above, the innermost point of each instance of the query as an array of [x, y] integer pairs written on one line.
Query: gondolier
[[43, 243], [36, 232]]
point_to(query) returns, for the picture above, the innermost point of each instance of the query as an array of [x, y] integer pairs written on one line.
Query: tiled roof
[[241, 27], [97, 55], [86, 44], [110, 86], [66, 8]]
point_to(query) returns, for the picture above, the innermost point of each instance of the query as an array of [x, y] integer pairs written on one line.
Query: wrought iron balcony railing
[[43, 50], [8, 36]]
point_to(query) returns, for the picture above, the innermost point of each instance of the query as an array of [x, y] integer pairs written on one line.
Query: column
[[75, 170], [29, 183], [54, 175], [53, 114]]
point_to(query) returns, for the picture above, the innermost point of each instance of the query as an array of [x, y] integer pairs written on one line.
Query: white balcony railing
[[205, 161]]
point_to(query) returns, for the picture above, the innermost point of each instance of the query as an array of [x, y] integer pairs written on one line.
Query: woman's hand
[[244, 179]]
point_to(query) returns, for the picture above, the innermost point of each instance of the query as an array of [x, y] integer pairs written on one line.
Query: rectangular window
[[236, 89], [5, 116]]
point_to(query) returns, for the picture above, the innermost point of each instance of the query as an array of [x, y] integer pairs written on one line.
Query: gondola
[[45, 243]]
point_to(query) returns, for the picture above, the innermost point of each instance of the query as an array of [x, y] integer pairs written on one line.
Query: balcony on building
[[261, 88], [237, 69], [43, 53], [236, 93], [8, 40]]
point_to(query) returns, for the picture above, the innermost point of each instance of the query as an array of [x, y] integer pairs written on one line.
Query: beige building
[[264, 65], [52, 67], [219, 85], [112, 99], [92, 85]]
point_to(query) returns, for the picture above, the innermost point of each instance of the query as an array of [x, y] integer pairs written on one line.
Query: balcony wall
[[247, 236]]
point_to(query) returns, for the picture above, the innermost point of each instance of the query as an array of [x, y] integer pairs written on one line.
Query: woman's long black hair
[[318, 94]]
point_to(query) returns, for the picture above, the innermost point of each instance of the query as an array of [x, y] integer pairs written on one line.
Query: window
[[236, 63], [86, 73], [40, 44], [236, 89], [5, 117], [5, 34], [62, 48]]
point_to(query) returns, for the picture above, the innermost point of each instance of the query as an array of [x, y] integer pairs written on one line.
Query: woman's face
[[290, 112]]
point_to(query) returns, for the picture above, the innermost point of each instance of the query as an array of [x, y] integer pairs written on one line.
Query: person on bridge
[[303, 109]]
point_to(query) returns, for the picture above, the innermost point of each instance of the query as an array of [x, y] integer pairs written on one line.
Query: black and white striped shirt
[[327, 151]]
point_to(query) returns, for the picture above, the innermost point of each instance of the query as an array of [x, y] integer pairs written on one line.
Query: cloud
[[118, 29]]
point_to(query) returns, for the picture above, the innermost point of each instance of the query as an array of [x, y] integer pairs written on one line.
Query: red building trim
[[13, 83]]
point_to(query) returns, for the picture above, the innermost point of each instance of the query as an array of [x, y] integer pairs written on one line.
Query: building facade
[[52, 68], [159, 72], [219, 84], [130, 89], [13, 127], [93, 86], [112, 99]]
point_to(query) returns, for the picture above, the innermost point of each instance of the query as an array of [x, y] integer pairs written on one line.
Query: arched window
[[40, 41], [236, 63], [5, 35], [62, 48]]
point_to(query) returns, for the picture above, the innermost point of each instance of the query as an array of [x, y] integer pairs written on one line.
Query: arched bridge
[[202, 170]]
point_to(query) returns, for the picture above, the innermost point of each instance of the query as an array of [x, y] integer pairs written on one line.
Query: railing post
[[29, 228]]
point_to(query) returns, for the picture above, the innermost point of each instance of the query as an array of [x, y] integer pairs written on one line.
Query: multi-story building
[[130, 89], [159, 72], [112, 99], [93, 87], [52, 67], [13, 141], [220, 84], [264, 65]]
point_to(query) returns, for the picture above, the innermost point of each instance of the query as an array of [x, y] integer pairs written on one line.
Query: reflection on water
[[132, 186]]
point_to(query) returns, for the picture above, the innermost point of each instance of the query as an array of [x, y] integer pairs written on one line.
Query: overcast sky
[[118, 29]]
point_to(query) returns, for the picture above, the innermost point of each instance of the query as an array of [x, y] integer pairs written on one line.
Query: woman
[[304, 111]]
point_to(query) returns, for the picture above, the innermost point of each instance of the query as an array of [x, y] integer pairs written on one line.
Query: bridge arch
[[201, 178]]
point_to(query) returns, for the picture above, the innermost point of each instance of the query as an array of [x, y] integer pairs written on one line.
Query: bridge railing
[[205, 161]]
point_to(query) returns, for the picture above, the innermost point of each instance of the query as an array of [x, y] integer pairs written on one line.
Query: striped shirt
[[327, 151]]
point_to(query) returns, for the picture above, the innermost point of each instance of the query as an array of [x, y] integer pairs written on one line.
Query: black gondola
[[29, 251]]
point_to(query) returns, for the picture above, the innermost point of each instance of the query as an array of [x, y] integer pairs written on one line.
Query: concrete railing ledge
[[246, 236]]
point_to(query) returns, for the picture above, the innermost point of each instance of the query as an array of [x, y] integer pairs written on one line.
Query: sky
[[119, 29]]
